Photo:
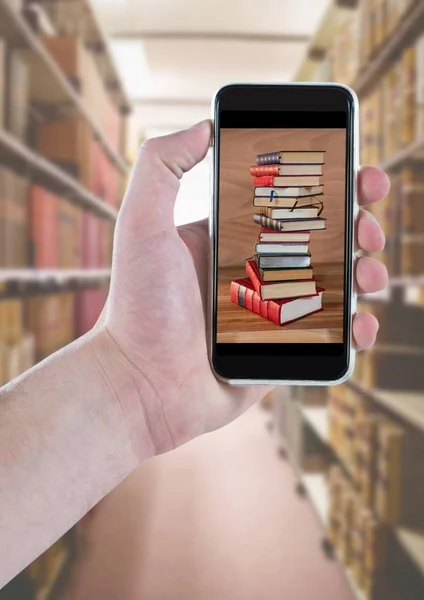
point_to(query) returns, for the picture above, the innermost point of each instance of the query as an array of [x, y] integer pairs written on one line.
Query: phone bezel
[[281, 368]]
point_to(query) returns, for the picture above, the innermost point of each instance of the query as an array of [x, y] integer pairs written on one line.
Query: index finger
[[373, 185]]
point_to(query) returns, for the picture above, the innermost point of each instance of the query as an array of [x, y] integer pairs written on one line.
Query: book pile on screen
[[280, 284]]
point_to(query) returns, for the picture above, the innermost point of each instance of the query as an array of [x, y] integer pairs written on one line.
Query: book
[[290, 225], [304, 157], [279, 193], [399, 492], [280, 312], [282, 248], [280, 290], [267, 235], [391, 367], [288, 181], [286, 274], [283, 262], [3, 71], [275, 170], [288, 213], [44, 235], [17, 94]]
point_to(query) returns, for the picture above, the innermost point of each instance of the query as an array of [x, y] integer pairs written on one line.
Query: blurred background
[[318, 493]]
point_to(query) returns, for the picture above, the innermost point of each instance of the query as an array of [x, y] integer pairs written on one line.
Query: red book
[[293, 170], [44, 221], [281, 289], [287, 181], [279, 312]]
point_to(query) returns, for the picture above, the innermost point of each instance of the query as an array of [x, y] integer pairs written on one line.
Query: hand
[[155, 316]]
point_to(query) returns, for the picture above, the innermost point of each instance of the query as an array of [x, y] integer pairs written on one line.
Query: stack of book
[[281, 286]]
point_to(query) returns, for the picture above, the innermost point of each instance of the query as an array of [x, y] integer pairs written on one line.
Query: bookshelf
[[388, 33], [406, 32], [409, 406], [69, 200], [49, 84], [79, 16], [335, 17], [49, 175]]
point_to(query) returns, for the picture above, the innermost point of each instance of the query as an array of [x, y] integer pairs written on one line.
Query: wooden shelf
[[61, 563], [47, 80], [80, 18], [407, 405], [334, 18], [413, 544], [46, 173], [52, 276], [317, 490], [406, 32], [412, 153], [317, 418]]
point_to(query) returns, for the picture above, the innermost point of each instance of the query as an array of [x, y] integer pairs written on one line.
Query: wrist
[[126, 391]]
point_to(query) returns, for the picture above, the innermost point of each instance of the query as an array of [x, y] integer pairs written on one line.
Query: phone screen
[[283, 209]]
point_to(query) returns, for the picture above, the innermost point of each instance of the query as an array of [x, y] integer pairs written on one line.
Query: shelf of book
[[317, 489], [407, 405], [319, 421], [47, 174], [334, 17], [405, 33], [78, 17], [58, 89]]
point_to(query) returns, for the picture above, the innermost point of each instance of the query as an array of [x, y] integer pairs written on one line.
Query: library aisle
[[218, 518]]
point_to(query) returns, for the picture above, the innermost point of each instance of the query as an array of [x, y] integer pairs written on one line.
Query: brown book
[[409, 95], [11, 320], [3, 378], [412, 256], [400, 324], [376, 544], [399, 495], [3, 71], [68, 143], [5, 193], [16, 226], [17, 102], [391, 367], [366, 456]]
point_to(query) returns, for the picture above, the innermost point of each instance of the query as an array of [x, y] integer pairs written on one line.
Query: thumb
[[155, 178]]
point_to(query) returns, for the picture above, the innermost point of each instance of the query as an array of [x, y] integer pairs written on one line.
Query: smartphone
[[283, 209]]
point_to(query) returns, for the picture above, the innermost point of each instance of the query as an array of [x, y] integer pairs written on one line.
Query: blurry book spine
[[409, 95], [44, 235], [3, 73], [17, 92]]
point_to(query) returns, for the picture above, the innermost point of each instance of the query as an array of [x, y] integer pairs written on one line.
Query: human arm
[[140, 384]]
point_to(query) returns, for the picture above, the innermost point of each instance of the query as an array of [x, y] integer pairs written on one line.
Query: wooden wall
[[239, 147]]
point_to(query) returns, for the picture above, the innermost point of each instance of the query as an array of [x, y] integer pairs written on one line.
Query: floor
[[236, 324], [216, 519]]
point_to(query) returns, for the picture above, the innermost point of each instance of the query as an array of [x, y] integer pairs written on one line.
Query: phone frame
[[214, 224]]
